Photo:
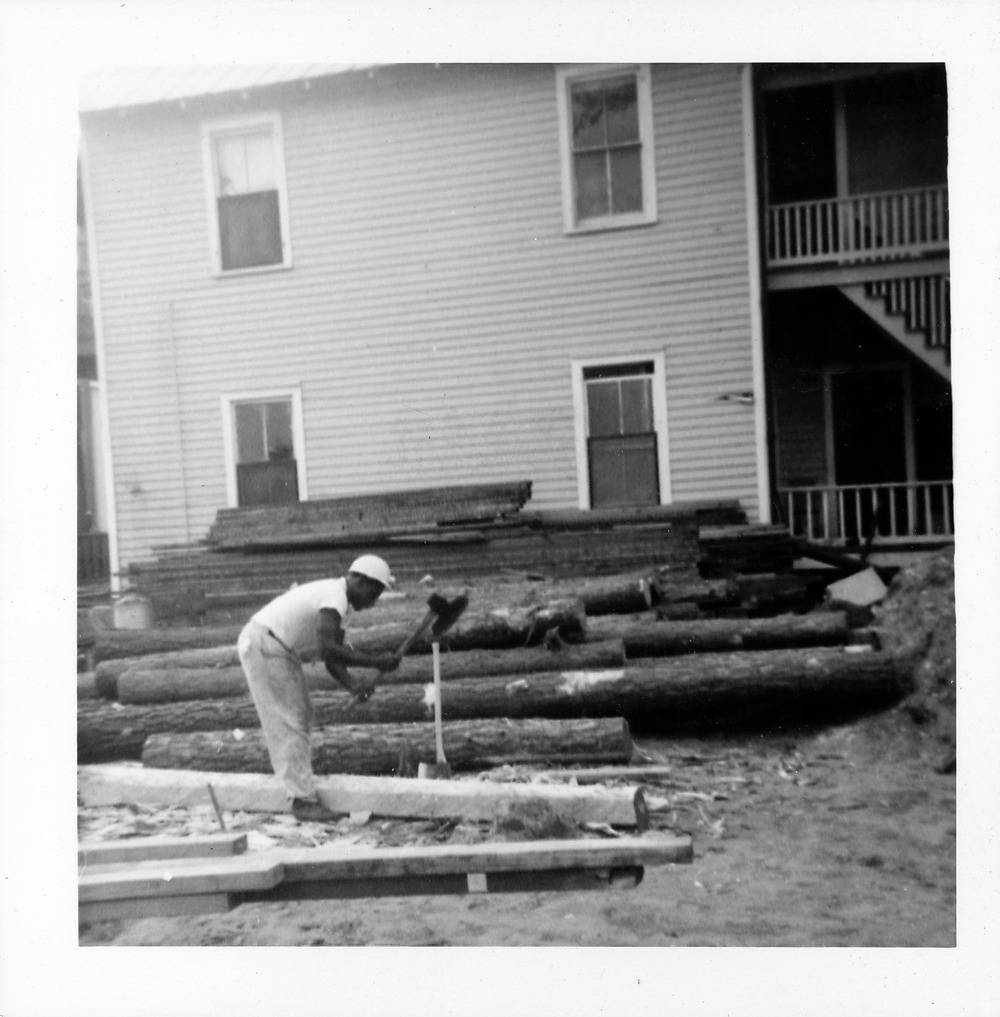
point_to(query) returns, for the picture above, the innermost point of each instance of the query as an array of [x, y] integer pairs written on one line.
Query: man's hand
[[362, 688]]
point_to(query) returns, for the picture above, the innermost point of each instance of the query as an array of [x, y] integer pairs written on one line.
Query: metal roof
[[116, 88]]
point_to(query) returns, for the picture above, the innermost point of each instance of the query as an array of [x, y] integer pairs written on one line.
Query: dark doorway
[[801, 145], [868, 427], [869, 448]]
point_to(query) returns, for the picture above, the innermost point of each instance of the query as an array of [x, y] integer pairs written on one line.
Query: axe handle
[[419, 631]]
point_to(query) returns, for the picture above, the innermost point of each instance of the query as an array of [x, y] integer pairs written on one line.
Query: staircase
[[915, 311]]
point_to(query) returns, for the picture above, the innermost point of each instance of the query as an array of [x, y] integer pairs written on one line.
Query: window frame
[[210, 130], [566, 77], [228, 406], [581, 424]]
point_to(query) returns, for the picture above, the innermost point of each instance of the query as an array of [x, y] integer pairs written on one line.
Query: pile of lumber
[[204, 875], [250, 555], [733, 550], [543, 683], [366, 518]]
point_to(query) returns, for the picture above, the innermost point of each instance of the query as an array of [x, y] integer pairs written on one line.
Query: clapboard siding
[[434, 303]]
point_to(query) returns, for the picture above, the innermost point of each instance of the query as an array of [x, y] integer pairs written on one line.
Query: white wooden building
[[322, 281]]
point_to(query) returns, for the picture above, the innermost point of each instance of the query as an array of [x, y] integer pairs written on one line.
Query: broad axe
[[442, 613]]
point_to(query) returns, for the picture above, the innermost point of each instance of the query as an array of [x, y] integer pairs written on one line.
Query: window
[[606, 140], [263, 434], [621, 432], [245, 175]]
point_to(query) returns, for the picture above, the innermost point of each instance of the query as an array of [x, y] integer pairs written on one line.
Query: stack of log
[[744, 550], [454, 534], [560, 680], [327, 521]]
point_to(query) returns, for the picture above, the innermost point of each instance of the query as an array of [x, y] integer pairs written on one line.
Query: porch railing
[[861, 227], [902, 513]]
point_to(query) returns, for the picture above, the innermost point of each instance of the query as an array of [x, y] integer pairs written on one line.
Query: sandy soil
[[843, 837]]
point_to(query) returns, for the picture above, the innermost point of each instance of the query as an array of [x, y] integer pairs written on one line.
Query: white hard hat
[[375, 568]]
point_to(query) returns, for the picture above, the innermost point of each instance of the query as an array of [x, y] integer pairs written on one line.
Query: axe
[[441, 614]]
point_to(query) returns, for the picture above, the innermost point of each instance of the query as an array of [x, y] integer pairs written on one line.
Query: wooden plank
[[130, 908], [329, 862], [145, 848], [411, 798], [531, 881], [177, 877]]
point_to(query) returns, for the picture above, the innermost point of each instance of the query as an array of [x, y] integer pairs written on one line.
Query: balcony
[[900, 513], [861, 228]]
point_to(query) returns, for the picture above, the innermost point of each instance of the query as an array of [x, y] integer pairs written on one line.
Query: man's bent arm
[[338, 658]]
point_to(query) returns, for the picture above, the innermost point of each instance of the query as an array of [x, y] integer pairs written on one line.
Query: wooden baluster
[[928, 518], [946, 490], [911, 508], [893, 528], [842, 509], [825, 496], [809, 516]]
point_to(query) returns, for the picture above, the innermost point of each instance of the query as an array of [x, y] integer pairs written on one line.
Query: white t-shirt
[[293, 616]]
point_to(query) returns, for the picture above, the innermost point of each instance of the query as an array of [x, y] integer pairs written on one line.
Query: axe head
[[447, 611]]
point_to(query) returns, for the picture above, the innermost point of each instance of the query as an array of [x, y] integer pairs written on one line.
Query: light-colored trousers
[[278, 687]]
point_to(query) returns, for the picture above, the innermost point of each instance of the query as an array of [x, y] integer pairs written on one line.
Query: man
[[308, 621]]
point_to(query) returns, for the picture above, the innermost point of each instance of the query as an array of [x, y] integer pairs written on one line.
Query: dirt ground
[[839, 837]]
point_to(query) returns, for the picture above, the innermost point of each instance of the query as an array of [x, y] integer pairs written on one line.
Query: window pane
[[621, 110], [260, 161], [637, 406], [603, 409], [230, 164], [626, 180], [267, 483], [588, 117], [249, 433], [640, 471], [623, 471], [250, 230], [279, 430], [591, 185]]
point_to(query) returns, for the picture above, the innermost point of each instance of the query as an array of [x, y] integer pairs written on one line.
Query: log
[[507, 628], [500, 629], [664, 639], [647, 637], [114, 643], [141, 685], [107, 672], [378, 749], [476, 801], [699, 692], [86, 685], [696, 692]]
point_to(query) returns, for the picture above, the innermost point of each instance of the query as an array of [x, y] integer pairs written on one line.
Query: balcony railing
[[862, 227], [903, 513]]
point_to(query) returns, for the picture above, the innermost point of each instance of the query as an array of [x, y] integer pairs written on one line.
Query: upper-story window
[[606, 140], [245, 175]]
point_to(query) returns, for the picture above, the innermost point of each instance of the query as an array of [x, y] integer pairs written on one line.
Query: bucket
[[133, 611]]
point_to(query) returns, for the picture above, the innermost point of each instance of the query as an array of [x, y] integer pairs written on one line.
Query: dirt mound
[[916, 623]]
